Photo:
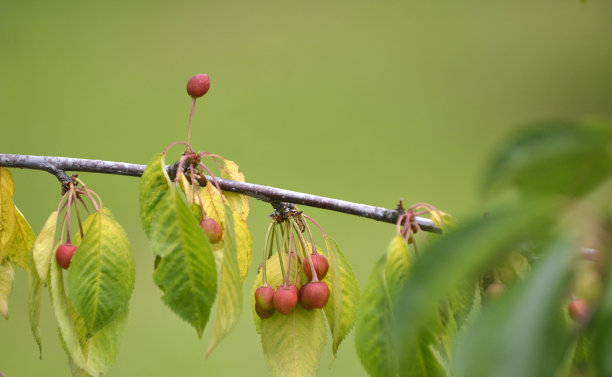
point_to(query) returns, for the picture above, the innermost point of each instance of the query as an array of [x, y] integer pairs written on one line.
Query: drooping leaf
[[575, 158], [461, 255], [244, 245], [293, 343], [341, 308], [7, 211], [153, 186], [101, 277], [34, 301], [522, 333], [229, 307], [61, 307], [20, 246], [7, 274], [186, 272], [238, 202], [187, 189], [42, 250], [213, 204]]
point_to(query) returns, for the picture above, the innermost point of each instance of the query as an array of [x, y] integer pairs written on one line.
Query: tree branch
[[58, 165]]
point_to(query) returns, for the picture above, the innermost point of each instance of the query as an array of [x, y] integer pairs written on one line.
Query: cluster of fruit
[[312, 295]]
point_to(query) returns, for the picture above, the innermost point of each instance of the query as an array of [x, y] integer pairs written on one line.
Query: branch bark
[[59, 165]]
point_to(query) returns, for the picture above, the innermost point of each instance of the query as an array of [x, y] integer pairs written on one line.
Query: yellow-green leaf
[[213, 204], [101, 277], [229, 306], [7, 274], [34, 300], [153, 186], [238, 202], [7, 211], [293, 343], [341, 308], [42, 250], [398, 264], [244, 245], [20, 246]]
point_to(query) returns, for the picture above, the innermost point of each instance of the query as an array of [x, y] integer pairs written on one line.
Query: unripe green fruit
[[264, 297], [578, 309], [198, 85], [495, 290], [212, 229], [315, 294], [320, 263], [263, 313], [64, 254], [285, 299]]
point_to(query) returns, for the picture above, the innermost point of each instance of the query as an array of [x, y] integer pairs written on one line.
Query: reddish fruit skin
[[285, 299], [320, 264], [212, 229], [304, 304], [578, 309], [263, 313], [64, 254], [198, 85], [495, 290], [264, 297], [315, 294]]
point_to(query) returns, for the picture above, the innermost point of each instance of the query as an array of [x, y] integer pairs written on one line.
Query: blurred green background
[[365, 101]]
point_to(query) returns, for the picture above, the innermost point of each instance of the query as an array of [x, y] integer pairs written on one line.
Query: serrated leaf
[[7, 274], [293, 343], [20, 246], [373, 337], [238, 202], [7, 211], [153, 186], [229, 306], [213, 204], [101, 278], [522, 333], [186, 272], [244, 244], [42, 250], [341, 309], [34, 301], [561, 157], [61, 307]]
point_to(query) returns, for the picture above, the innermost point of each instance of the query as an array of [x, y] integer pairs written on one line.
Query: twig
[[264, 193]]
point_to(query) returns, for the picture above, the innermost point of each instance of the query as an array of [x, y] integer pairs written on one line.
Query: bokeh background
[[365, 101]]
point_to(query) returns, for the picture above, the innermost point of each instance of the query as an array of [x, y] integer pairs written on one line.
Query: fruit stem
[[191, 120], [318, 226], [281, 254], [286, 279], [214, 180], [76, 208], [269, 232], [315, 278], [312, 241], [194, 184], [189, 148]]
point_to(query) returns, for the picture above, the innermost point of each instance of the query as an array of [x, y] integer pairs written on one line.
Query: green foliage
[[43, 249], [153, 186]]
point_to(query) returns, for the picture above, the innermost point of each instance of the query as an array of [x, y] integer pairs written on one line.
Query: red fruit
[[320, 264], [578, 309], [304, 305], [212, 229], [198, 85], [64, 254], [495, 290], [315, 294], [263, 313], [264, 297], [285, 299]]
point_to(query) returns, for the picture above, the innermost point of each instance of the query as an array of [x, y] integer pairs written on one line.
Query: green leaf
[[7, 274], [341, 308], [523, 333], [20, 246], [101, 278], [244, 244], [238, 202], [229, 307], [34, 301], [42, 250], [7, 211], [61, 307], [153, 186], [373, 337], [293, 343], [186, 272], [461, 255], [602, 331], [561, 157]]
